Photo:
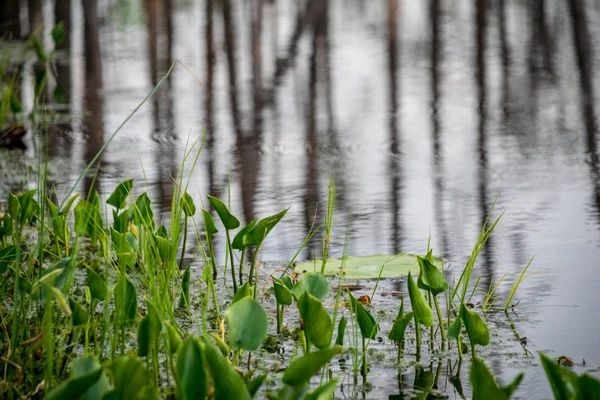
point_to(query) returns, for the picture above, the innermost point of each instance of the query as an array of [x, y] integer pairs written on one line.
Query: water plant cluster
[[103, 308]]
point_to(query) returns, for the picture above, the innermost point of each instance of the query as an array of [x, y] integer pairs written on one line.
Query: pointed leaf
[[132, 380], [313, 282], [188, 206], [323, 392], [282, 293], [191, 377], [238, 239], [98, 288], [259, 232], [303, 368], [243, 291], [228, 384], [455, 328], [228, 220], [78, 383], [339, 340], [556, 378], [174, 338], [366, 322], [316, 320], [126, 299], [79, 316], [476, 328], [419, 305], [430, 278], [399, 327], [118, 198], [209, 223]]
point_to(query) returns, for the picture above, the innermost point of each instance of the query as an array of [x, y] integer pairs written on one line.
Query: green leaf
[[282, 292], [174, 338], [149, 328], [85, 364], [556, 377], [131, 379], [430, 278], [8, 225], [125, 299], [118, 198], [455, 328], [238, 239], [192, 382], [228, 220], [143, 211], [28, 206], [58, 34], [8, 255], [14, 209], [313, 282], [259, 232], [485, 386], [228, 383], [339, 340], [15, 103], [122, 244], [399, 327], [419, 305], [163, 246], [79, 316], [476, 328], [255, 384], [303, 368], [209, 223], [98, 288], [188, 206], [315, 319], [247, 324], [85, 372], [323, 392], [366, 322], [588, 387], [368, 267], [243, 291]]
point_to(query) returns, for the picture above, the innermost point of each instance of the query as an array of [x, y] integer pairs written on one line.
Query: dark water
[[422, 112]]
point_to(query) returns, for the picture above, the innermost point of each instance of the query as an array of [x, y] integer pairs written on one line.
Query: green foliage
[[98, 288], [209, 223], [476, 328], [316, 320], [430, 278], [126, 299], [228, 384], [149, 329], [192, 382], [420, 307], [485, 386], [258, 233], [283, 295], [302, 369], [188, 206], [399, 327], [247, 324], [228, 220], [131, 380], [367, 324], [86, 381], [118, 198], [313, 283]]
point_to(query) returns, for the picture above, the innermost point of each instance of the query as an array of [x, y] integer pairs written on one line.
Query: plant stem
[[242, 267], [418, 335], [441, 319], [231, 258], [184, 242]]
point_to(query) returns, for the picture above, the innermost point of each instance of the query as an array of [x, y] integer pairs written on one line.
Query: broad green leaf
[[85, 364], [323, 392], [79, 382], [247, 324], [163, 246], [52, 279], [366, 322], [149, 328], [485, 386], [259, 232], [313, 283], [118, 198], [143, 211], [556, 377], [121, 221], [53, 208], [224, 347], [192, 382], [188, 206], [125, 299], [282, 292], [237, 242], [419, 305], [303, 368], [174, 338], [29, 207], [7, 225], [98, 288], [126, 254], [228, 220], [476, 328], [8, 255], [228, 384], [368, 267], [162, 232], [243, 291], [131, 379], [423, 381], [455, 328], [316, 320], [79, 316], [339, 340], [67, 207], [430, 278], [399, 327], [209, 223]]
